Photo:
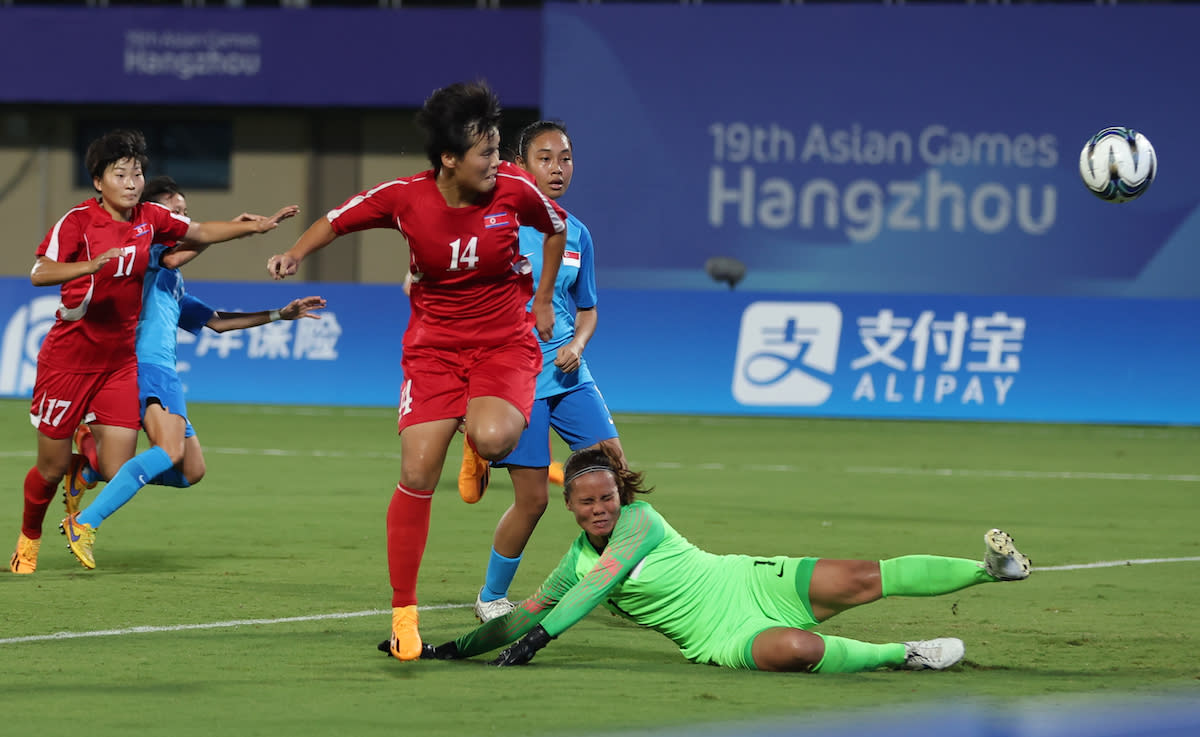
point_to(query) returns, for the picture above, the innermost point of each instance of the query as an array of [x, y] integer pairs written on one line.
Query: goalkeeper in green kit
[[736, 611]]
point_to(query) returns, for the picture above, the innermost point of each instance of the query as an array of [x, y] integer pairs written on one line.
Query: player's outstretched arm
[[318, 235], [296, 309], [47, 272], [202, 235]]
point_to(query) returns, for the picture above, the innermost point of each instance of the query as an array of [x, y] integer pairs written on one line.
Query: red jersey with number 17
[[471, 285], [97, 316]]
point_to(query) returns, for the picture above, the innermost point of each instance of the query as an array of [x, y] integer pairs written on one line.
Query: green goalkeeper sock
[[929, 575], [843, 655]]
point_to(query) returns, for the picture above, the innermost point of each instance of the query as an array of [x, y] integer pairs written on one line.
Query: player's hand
[[98, 263], [523, 650], [265, 224], [303, 307], [569, 357], [543, 313], [282, 265]]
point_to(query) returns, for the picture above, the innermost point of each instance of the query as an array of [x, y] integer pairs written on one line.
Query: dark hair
[[602, 459], [454, 118], [112, 147], [533, 130], [159, 186]]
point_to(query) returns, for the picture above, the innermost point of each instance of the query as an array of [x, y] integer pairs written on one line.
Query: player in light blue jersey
[[567, 398], [175, 457]]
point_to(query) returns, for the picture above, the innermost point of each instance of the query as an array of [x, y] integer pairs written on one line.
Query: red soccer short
[[63, 399], [438, 382]]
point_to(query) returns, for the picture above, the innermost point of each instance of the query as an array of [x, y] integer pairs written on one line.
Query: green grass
[[290, 523]]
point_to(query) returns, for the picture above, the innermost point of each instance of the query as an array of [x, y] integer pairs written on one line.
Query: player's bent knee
[[494, 445], [785, 649]]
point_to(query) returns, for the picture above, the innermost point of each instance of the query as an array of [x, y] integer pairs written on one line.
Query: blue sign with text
[[719, 352], [854, 148]]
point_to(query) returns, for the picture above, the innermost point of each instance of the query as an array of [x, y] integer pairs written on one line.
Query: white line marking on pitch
[[213, 625], [1116, 563], [379, 612], [1008, 474]]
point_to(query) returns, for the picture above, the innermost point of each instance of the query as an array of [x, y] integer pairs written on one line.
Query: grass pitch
[[252, 603]]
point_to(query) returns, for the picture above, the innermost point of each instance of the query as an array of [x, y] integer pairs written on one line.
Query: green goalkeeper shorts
[[759, 594]]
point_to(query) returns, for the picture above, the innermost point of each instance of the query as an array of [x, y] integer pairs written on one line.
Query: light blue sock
[[171, 477], [500, 574], [131, 477]]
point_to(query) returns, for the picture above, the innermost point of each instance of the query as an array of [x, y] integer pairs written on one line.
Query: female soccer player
[[469, 354], [166, 308], [567, 398], [737, 611], [98, 253]]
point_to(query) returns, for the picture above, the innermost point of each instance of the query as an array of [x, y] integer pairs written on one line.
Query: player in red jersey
[[469, 354], [97, 254]]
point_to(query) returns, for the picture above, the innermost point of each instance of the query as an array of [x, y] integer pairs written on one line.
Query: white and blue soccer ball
[[1118, 164]]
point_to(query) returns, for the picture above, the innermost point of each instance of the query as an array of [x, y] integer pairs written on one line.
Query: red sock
[[38, 495], [87, 446], [407, 531]]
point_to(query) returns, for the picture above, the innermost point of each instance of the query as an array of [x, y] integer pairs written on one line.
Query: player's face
[[121, 186], [549, 159], [176, 203], [595, 503], [475, 171]]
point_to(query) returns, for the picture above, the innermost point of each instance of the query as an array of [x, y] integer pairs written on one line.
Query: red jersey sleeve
[[168, 227], [534, 208], [378, 207], [65, 241]]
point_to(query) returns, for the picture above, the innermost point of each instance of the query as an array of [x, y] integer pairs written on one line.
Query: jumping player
[[469, 355]]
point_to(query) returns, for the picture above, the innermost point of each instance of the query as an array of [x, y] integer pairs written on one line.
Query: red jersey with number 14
[[97, 316], [471, 285]]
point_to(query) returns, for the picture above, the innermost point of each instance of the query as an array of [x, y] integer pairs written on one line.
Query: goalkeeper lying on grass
[[737, 611]]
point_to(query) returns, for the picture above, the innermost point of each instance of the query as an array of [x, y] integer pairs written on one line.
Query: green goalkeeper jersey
[[651, 575]]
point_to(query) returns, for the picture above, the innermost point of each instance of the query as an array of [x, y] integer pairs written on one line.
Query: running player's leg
[[527, 468], [165, 430], [115, 429], [191, 470], [60, 401], [500, 395], [422, 453]]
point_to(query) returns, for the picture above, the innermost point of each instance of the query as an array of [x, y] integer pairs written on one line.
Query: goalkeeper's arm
[[499, 632]]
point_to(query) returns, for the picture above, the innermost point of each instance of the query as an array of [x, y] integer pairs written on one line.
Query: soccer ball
[[1118, 164]]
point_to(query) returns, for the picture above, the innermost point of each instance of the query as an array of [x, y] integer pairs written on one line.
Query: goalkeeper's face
[[594, 501]]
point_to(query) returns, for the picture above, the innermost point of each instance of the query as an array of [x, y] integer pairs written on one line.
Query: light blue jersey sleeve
[[194, 314]]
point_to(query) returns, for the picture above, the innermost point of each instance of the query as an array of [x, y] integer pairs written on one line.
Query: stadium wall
[[899, 184]]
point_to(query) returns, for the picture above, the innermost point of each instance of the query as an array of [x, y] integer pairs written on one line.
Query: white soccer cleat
[[1001, 558], [486, 611], [936, 654]]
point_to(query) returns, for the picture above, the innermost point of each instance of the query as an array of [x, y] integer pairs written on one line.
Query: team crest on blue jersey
[[496, 220], [571, 258], [141, 229]]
